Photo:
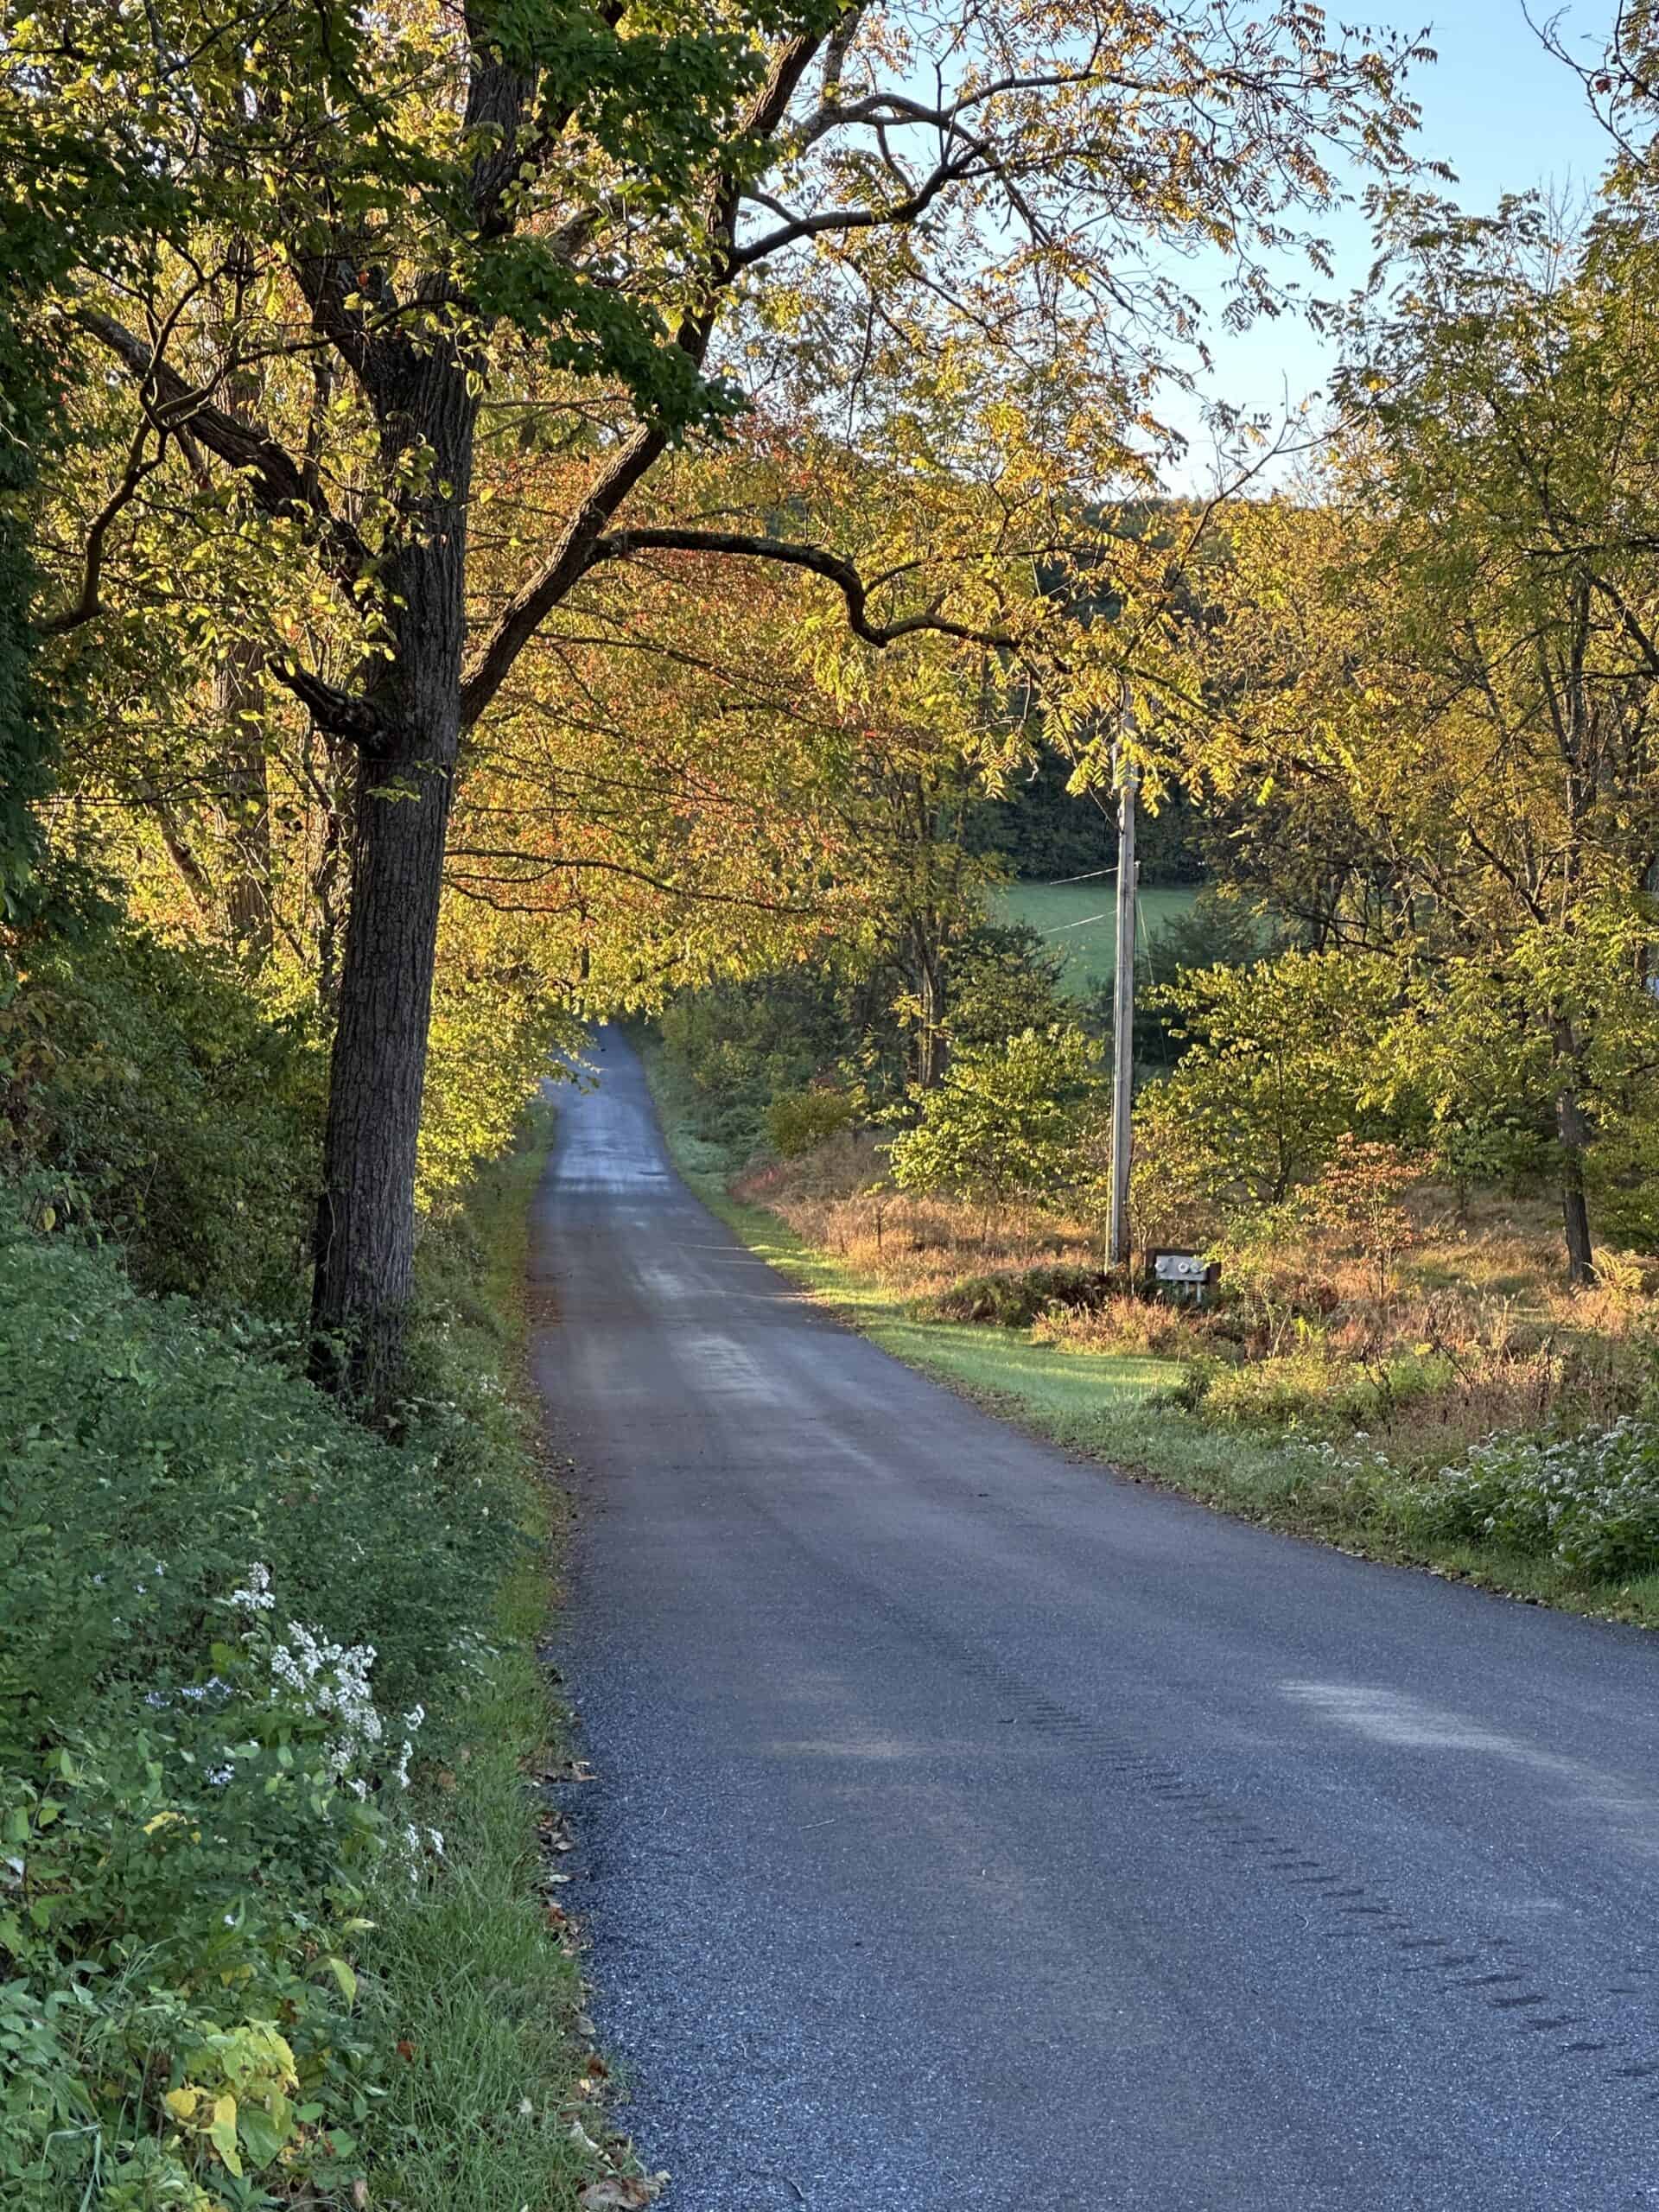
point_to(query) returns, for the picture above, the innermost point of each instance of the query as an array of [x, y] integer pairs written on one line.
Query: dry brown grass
[[1479, 1329], [837, 1200]]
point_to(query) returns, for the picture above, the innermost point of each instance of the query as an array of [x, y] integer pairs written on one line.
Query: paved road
[[976, 1833]]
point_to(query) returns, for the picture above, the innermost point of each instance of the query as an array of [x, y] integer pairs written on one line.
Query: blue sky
[[1496, 106]]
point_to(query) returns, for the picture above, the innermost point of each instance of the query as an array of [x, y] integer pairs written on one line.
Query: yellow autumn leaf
[[181, 2103], [221, 2132]]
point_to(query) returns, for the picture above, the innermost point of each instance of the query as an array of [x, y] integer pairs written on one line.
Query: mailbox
[[1181, 1274]]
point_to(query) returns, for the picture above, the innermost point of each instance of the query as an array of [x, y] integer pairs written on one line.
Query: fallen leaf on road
[[625, 2192]]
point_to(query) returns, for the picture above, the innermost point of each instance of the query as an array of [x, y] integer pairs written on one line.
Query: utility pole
[[1126, 777]]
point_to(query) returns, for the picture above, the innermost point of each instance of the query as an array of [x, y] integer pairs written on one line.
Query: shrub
[[1279, 1061], [1592, 1500], [1004, 1123], [1308, 1388], [1000, 980], [1015, 1301], [162, 1103], [1359, 1194], [798, 1120]]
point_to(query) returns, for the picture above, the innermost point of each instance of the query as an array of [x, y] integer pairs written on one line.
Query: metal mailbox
[[1181, 1274]]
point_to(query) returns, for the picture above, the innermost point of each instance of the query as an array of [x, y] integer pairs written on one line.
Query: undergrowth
[[269, 1898]]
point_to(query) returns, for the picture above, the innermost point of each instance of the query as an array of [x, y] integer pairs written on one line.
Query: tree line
[[402, 373], [514, 512]]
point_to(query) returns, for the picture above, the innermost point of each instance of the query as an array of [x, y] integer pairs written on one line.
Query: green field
[[1079, 919]]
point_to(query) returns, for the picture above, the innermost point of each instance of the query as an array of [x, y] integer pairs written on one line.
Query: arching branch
[[618, 545], [141, 463]]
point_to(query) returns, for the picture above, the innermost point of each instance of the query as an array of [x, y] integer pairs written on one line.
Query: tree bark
[[365, 1240], [1573, 1134], [930, 1024]]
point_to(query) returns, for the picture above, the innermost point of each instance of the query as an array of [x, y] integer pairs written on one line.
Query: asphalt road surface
[[974, 1831]]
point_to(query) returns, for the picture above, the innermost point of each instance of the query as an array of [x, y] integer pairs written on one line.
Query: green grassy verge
[[470, 1979], [1102, 1406]]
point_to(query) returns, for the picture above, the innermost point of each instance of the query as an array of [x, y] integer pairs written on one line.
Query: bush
[[800, 1120], [159, 1101], [1308, 1388], [1279, 1061], [1005, 1122], [1015, 1301], [1591, 1500]]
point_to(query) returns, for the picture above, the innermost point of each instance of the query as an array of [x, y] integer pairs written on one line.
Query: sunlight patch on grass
[[1040, 1380]]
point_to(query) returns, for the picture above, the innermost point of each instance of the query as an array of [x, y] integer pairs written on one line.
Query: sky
[[1500, 110]]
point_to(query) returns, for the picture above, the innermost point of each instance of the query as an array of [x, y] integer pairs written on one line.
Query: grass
[[994, 1364], [476, 1977], [1079, 920], [1112, 1405]]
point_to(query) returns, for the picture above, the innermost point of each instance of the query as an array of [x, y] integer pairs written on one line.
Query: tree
[[423, 220], [1004, 1122], [1444, 668], [1277, 1063]]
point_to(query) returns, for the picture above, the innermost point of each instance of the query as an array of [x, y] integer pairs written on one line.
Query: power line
[[1089, 876], [1083, 924]]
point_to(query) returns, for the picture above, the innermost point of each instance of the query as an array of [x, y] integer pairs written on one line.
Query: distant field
[[1079, 919]]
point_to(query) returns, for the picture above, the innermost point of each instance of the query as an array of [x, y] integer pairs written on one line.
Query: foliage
[[1043, 829], [846, 1025], [1624, 1178], [1591, 1500], [463, 342], [1002, 979], [200, 1789], [1015, 1301], [1309, 1388], [798, 1120], [1005, 1122], [1359, 1192], [1216, 931], [217, 1952], [160, 1103], [1277, 1063], [1441, 681]]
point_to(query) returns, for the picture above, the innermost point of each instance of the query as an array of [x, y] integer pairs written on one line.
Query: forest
[[528, 514]]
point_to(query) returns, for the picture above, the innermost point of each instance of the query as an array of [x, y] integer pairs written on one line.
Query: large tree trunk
[[365, 1244]]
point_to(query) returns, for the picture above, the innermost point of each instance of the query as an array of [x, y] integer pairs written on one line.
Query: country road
[[975, 1832]]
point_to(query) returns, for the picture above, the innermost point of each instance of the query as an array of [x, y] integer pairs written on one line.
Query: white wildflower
[[256, 1597]]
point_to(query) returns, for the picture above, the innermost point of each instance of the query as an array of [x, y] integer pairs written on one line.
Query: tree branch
[[276, 479], [336, 713], [860, 219], [89, 604], [572, 555], [564, 567], [620, 544]]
